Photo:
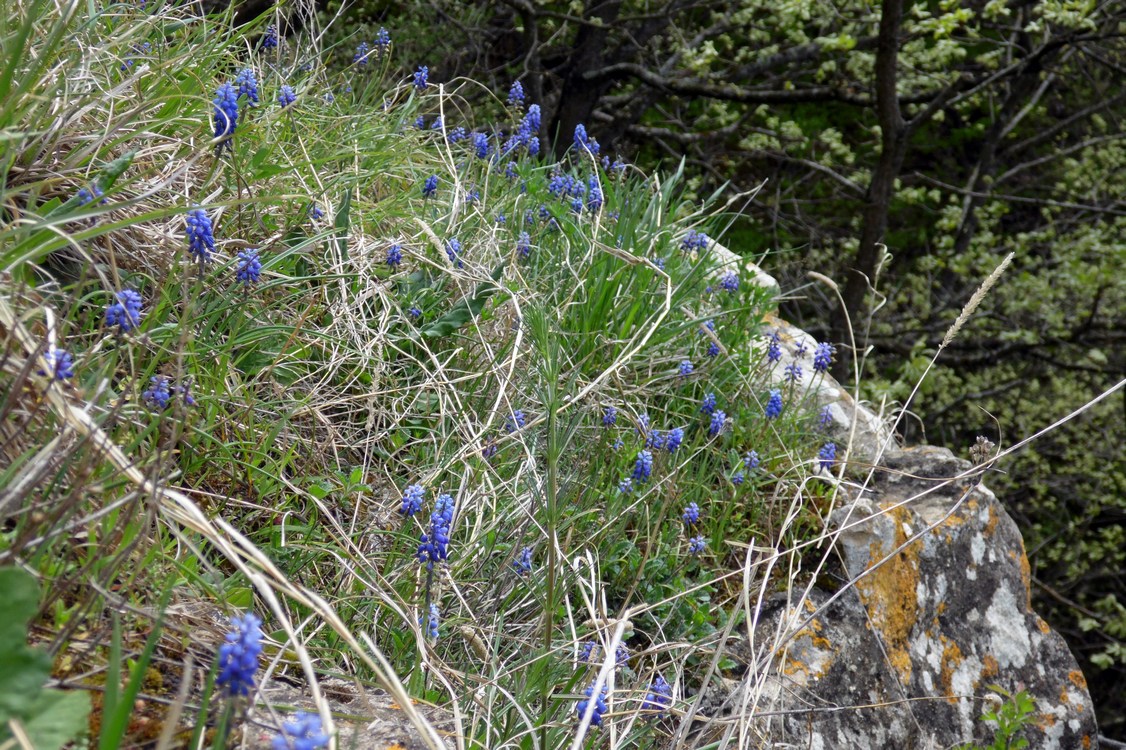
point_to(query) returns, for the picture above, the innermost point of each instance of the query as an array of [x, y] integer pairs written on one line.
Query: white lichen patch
[[1009, 642]]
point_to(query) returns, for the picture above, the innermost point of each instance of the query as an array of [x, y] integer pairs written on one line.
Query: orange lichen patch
[[888, 593], [1077, 679], [1043, 626], [1046, 721], [989, 667], [1025, 573], [1065, 697], [394, 746], [1086, 741], [991, 524], [951, 659]]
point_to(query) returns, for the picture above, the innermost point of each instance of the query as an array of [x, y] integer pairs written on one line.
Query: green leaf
[[343, 223], [21, 600], [57, 717], [465, 310], [22, 673]]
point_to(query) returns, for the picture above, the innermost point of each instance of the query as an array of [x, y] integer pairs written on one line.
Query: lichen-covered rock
[[937, 610]]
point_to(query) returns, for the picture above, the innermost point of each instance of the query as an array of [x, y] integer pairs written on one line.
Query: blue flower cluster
[[198, 230], [382, 40], [792, 372], [434, 545], [774, 404], [453, 252], [238, 656], [685, 368], [691, 514], [421, 77], [823, 356], [394, 255], [515, 422], [827, 456], [88, 195], [730, 281], [247, 85], [524, 245], [751, 461], [159, 393], [481, 145], [697, 545], [286, 96], [270, 38], [412, 499], [674, 439], [609, 416], [430, 187], [527, 133], [707, 406], [774, 347], [719, 419], [643, 467], [432, 621], [659, 697], [125, 313], [523, 563], [584, 142], [302, 732], [600, 706], [694, 241], [516, 94], [248, 267], [60, 364], [225, 115]]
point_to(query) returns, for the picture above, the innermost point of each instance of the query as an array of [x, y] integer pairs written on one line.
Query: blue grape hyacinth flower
[[730, 281], [707, 406], [717, 423], [774, 404], [481, 145], [394, 255], [515, 422], [201, 239], [270, 38], [125, 312], [609, 416], [88, 195], [823, 356], [435, 542], [523, 563], [453, 252], [430, 187], [238, 656], [159, 393], [524, 245], [643, 467], [774, 347], [421, 77], [685, 368], [412, 499], [363, 51], [827, 456], [247, 85], [225, 116], [600, 706], [751, 461], [516, 94], [302, 732], [659, 697], [248, 267], [792, 372], [382, 40], [432, 622], [674, 439], [286, 96], [697, 545], [691, 514], [60, 364]]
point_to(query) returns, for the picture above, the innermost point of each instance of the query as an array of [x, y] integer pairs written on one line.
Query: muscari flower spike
[[524, 245], [453, 252], [774, 404], [643, 467], [412, 499], [516, 94], [481, 145], [707, 406], [248, 267], [626, 485], [618, 444], [792, 372], [823, 356], [825, 418], [655, 440], [159, 393], [674, 439], [697, 544], [434, 545], [225, 116], [827, 456], [600, 706], [691, 514], [394, 255], [430, 187], [713, 349], [730, 281], [60, 364], [302, 732], [432, 622], [247, 85], [286, 96], [751, 461], [125, 313], [238, 656], [659, 697], [198, 230], [718, 421], [315, 212], [523, 563], [515, 422], [362, 53], [88, 195], [270, 38], [685, 368], [382, 40], [774, 347], [421, 77], [738, 478]]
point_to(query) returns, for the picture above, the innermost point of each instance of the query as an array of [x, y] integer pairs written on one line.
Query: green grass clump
[[246, 441]]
